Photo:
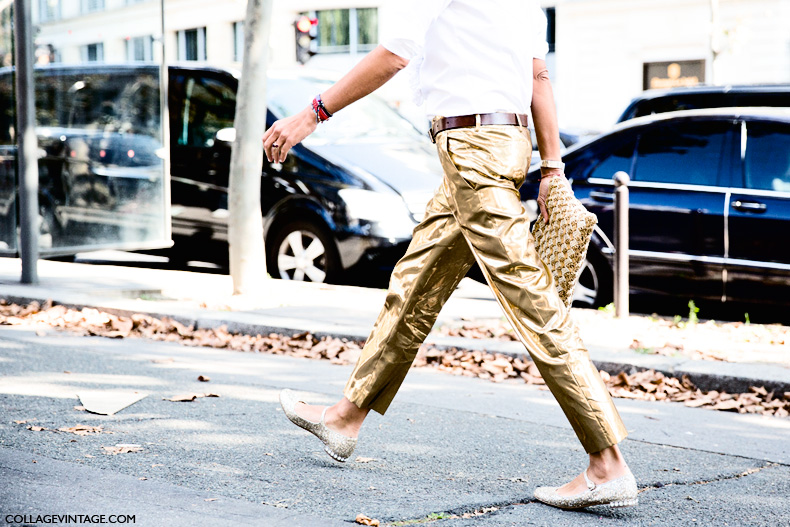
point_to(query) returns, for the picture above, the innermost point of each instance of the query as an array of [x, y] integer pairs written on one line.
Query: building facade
[[604, 52]]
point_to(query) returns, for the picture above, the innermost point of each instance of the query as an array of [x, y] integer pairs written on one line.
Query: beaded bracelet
[[321, 113]]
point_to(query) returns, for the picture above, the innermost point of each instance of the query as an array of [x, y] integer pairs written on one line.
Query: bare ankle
[[607, 463]]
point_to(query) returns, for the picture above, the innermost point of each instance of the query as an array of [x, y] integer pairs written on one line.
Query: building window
[[238, 41], [90, 6], [347, 30], [139, 48], [192, 44], [93, 52], [49, 10], [551, 29]]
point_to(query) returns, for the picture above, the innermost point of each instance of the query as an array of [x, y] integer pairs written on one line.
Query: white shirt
[[470, 56]]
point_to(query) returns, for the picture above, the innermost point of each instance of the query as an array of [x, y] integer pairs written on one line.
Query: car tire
[[300, 250], [594, 288]]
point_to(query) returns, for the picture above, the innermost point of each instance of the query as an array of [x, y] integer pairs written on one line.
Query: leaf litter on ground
[[645, 385]]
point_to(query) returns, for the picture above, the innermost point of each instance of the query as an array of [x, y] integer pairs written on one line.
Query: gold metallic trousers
[[477, 214]]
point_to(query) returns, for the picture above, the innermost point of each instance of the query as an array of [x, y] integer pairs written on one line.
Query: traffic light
[[306, 33]]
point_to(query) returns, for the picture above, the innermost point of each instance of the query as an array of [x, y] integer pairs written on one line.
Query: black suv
[[709, 204], [348, 197], [699, 97]]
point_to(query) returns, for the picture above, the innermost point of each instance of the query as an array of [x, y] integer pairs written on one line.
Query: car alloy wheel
[[594, 288], [303, 253]]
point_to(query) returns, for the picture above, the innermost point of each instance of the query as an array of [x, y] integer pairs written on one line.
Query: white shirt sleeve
[[408, 25], [539, 45]]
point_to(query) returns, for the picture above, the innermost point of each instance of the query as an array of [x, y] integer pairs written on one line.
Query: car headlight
[[417, 202], [388, 214]]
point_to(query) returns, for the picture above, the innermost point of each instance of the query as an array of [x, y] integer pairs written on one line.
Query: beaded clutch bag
[[562, 244]]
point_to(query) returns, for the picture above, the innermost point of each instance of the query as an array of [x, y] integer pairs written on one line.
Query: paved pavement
[[448, 445]]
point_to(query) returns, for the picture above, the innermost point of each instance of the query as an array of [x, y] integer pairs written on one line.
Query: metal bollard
[[621, 285], [27, 149]]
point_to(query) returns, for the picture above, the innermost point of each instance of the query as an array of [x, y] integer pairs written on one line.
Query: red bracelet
[[321, 113]]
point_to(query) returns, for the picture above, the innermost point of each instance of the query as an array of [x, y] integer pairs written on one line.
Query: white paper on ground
[[109, 402]]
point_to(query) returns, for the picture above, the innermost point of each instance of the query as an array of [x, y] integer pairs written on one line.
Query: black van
[[348, 197], [700, 97]]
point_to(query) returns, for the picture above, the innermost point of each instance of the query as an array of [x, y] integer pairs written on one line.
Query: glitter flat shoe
[[338, 446], [620, 492]]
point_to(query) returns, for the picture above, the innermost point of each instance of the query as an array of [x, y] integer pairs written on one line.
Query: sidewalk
[[205, 300]]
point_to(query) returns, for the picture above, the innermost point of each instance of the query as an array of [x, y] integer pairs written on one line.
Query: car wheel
[[302, 251], [594, 288]]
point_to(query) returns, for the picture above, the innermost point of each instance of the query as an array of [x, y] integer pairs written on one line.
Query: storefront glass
[[102, 180]]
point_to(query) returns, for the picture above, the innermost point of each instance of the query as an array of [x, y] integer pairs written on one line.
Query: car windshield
[[367, 119]]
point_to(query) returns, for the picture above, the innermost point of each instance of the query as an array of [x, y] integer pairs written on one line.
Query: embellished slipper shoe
[[338, 446], [620, 492]]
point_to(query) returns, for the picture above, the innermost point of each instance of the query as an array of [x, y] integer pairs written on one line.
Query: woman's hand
[[286, 133], [546, 175]]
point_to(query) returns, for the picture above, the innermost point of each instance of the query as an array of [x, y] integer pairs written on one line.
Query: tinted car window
[[768, 157], [686, 152], [7, 109], [615, 160], [693, 101], [208, 106], [100, 101]]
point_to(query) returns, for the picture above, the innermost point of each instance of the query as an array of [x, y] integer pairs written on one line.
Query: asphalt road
[[448, 446]]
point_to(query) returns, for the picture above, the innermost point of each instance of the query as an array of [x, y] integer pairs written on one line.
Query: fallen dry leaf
[[122, 449], [189, 397], [364, 520], [210, 499], [361, 459], [21, 422], [39, 429], [203, 378], [83, 430], [185, 398]]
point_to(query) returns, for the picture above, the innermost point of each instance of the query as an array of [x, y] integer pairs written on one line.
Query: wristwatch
[[552, 163]]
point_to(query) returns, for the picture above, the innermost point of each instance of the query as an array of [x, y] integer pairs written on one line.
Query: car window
[[7, 110], [100, 101], [209, 105], [767, 163], [614, 157], [683, 152]]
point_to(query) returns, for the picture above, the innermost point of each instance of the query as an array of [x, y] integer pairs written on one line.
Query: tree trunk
[[245, 225]]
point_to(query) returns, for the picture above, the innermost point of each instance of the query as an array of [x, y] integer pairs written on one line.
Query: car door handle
[[749, 206], [602, 196]]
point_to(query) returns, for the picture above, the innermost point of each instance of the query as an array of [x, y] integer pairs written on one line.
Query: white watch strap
[[552, 163]]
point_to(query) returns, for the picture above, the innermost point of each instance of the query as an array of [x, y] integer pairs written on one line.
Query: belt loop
[[518, 119], [477, 122]]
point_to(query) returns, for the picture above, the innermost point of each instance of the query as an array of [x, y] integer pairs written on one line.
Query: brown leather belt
[[440, 124]]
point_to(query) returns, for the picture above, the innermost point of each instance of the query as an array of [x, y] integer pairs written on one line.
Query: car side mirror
[[225, 135]]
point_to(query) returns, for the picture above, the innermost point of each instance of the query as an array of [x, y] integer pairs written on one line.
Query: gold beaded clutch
[[562, 244]]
